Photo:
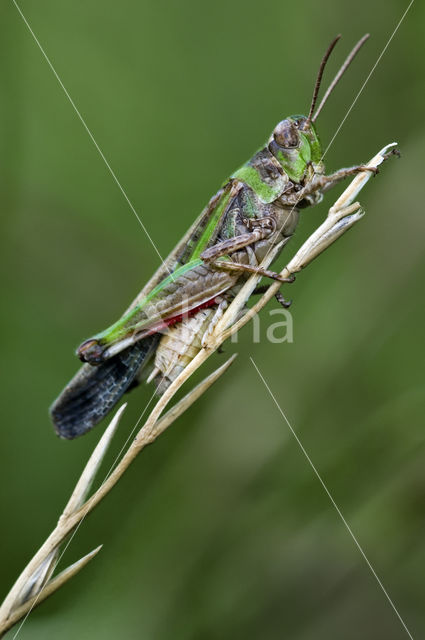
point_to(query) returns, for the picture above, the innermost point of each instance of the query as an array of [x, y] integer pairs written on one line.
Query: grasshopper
[[257, 208]]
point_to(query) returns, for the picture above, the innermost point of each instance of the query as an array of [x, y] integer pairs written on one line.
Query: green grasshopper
[[256, 209]]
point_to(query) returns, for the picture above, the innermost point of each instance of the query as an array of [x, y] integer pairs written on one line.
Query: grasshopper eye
[[285, 134]]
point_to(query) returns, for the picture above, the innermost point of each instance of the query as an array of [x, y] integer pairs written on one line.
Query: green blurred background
[[221, 529]]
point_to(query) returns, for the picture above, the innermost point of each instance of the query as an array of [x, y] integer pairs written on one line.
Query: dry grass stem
[[36, 583]]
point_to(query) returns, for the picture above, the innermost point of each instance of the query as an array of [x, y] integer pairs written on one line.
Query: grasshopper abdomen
[[179, 346]]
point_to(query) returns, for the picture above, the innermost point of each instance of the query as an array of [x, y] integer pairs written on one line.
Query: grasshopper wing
[[93, 391], [191, 287]]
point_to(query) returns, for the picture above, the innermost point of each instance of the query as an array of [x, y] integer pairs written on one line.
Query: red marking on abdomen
[[169, 322]]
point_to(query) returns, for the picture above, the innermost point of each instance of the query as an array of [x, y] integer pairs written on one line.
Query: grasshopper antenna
[[340, 73], [319, 79]]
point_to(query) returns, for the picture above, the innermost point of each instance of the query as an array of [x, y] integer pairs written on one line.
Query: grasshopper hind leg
[[94, 390]]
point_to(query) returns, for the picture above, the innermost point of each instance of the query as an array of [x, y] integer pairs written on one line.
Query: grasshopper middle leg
[[266, 273]]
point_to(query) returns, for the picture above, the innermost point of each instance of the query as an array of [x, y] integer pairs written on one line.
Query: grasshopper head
[[295, 144], [294, 141]]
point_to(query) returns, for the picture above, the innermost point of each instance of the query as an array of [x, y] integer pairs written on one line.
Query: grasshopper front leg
[[321, 183], [324, 183]]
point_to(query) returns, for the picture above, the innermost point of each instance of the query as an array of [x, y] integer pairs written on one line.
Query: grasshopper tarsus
[[281, 300], [392, 152], [279, 297], [389, 154], [363, 167]]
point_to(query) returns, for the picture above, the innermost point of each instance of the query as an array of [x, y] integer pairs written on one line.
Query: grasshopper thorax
[[295, 144]]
